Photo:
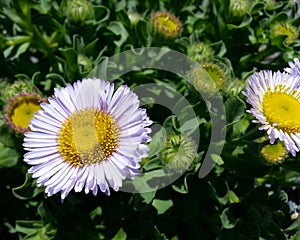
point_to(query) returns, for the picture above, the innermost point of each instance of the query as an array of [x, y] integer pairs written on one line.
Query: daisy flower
[[87, 137], [275, 100], [294, 68]]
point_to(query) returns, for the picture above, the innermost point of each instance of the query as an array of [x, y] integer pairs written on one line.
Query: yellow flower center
[[167, 23], [88, 136], [274, 153], [282, 110], [23, 111]]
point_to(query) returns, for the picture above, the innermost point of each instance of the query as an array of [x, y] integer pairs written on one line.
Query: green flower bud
[[134, 18], [78, 11], [209, 78], [178, 152], [286, 29], [238, 8], [200, 52], [165, 26]]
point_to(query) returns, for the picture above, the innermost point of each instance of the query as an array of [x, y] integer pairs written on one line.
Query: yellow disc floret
[[88, 136], [282, 110], [20, 109], [24, 112]]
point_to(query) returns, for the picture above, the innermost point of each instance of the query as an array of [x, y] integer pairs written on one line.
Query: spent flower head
[[274, 153], [165, 25]]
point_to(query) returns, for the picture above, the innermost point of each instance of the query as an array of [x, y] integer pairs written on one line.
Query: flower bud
[[78, 11], [209, 78], [134, 18], [238, 8], [178, 152], [200, 52]]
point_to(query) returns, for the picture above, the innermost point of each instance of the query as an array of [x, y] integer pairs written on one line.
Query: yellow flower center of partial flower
[[23, 111], [88, 136], [274, 153], [282, 110], [167, 23]]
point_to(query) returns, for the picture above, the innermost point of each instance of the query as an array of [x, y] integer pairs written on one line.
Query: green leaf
[[162, 205], [35, 230], [58, 79], [7, 137], [20, 49], [148, 196], [246, 21], [181, 185], [101, 13], [227, 220], [152, 164], [121, 235], [8, 157], [28, 189], [240, 127], [141, 32], [71, 57], [28, 226], [217, 159], [235, 109], [118, 29], [157, 141], [233, 198]]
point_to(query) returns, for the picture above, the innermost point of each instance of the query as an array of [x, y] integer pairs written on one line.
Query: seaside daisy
[[20, 109], [87, 137], [275, 100]]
